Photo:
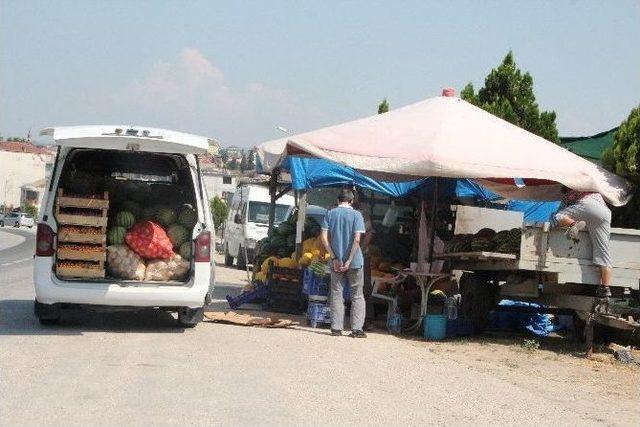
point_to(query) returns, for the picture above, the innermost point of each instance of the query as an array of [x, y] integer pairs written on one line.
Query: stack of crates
[[317, 290], [285, 290]]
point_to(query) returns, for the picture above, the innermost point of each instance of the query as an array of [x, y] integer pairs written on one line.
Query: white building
[[220, 183], [21, 164]]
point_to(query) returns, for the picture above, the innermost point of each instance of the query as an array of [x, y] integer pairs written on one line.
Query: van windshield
[[259, 212]]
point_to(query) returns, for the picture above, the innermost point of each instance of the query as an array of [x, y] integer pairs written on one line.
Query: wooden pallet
[[80, 272]]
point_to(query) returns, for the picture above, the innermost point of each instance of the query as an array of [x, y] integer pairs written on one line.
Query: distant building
[[214, 147], [221, 182], [22, 164], [32, 194], [232, 152]]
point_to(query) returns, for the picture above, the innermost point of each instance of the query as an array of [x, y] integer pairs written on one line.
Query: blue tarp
[[307, 173]]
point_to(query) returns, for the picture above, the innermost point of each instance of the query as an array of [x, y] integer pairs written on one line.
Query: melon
[[125, 219], [166, 216], [178, 234], [133, 207], [188, 216], [185, 250], [115, 235], [148, 213]]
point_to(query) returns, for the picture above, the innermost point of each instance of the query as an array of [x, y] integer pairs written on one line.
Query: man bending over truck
[[588, 210]]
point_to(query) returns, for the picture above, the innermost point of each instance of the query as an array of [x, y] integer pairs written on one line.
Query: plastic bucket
[[434, 327]]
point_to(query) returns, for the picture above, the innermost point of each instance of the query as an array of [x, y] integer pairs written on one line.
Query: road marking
[[15, 262]]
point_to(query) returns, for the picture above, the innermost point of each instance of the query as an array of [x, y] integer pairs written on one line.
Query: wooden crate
[[90, 221], [66, 235], [79, 272], [71, 201], [79, 255]]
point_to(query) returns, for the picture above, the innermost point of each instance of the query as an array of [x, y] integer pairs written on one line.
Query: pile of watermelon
[[153, 232]]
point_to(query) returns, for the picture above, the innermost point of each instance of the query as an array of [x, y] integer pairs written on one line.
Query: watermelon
[[166, 216], [148, 213], [178, 234], [185, 250], [133, 207], [115, 235], [125, 219], [188, 216]]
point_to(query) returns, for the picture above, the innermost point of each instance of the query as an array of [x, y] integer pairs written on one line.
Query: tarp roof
[[448, 137], [590, 147]]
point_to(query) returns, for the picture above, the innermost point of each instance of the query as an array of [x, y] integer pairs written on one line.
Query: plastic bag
[[175, 268], [391, 216], [124, 263]]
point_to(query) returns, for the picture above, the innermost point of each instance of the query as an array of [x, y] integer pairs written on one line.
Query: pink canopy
[[446, 136]]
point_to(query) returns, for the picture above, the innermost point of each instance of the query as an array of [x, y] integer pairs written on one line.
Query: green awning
[[589, 147]]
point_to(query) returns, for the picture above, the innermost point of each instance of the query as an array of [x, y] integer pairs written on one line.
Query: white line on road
[[15, 262]]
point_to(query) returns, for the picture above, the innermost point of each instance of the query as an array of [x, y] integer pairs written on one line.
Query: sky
[[237, 70]]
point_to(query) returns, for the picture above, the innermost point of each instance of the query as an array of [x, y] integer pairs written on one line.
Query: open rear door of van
[[132, 138]]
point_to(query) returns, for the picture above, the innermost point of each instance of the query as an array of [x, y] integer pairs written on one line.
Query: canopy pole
[[273, 190], [434, 211], [302, 214]]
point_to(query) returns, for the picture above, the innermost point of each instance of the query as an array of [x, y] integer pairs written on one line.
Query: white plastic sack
[[159, 270], [124, 263]]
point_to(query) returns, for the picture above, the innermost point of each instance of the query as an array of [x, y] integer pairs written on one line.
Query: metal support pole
[[273, 190], [434, 211], [302, 214]]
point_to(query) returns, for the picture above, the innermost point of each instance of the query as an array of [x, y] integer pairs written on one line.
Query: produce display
[[506, 241], [149, 240], [124, 263]]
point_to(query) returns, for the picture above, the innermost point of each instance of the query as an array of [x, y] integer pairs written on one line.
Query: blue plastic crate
[[314, 285], [318, 313]]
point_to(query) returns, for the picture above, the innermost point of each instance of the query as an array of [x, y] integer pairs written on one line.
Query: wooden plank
[[92, 221], [479, 255]]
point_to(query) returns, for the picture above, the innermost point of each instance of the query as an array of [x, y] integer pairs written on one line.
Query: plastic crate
[[459, 327], [260, 291], [315, 286], [318, 313]]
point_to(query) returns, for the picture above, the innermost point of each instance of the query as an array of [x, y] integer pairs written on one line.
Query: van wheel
[[47, 314], [228, 259], [190, 317], [242, 261]]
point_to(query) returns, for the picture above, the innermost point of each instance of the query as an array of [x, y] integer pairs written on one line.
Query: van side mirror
[[237, 219]]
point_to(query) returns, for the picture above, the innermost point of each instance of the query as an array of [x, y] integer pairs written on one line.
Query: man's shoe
[[574, 231], [336, 333], [357, 334]]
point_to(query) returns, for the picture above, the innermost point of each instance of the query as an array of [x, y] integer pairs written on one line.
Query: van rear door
[[134, 138]]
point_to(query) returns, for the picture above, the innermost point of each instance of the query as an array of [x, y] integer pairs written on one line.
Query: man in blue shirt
[[341, 231]]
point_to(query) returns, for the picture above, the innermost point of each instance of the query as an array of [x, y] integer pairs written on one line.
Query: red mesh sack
[[149, 240]]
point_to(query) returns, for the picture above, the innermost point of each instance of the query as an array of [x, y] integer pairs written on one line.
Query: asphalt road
[[141, 369]]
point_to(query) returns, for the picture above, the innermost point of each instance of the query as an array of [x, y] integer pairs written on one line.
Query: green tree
[[623, 158], [383, 107], [233, 164], [508, 94], [31, 210], [219, 211], [243, 162], [251, 160]]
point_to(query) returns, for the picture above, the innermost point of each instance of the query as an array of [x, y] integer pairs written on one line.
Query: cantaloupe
[[287, 263]]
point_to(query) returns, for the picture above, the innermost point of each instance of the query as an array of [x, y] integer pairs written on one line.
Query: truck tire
[[242, 261], [479, 297], [47, 314], [228, 259], [190, 317]]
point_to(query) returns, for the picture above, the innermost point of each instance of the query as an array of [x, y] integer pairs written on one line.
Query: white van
[[154, 166], [248, 221]]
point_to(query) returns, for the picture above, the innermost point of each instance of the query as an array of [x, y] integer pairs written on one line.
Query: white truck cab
[[248, 221], [163, 166]]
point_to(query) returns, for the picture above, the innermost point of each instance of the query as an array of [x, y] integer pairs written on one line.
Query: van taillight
[[203, 247], [44, 240]]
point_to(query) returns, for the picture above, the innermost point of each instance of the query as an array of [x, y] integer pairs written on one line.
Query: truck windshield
[[259, 212]]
